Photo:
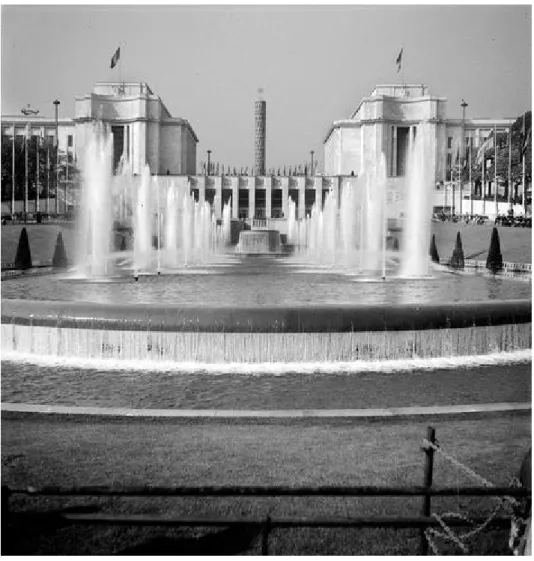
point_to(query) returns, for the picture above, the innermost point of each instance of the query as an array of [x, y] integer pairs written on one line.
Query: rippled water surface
[[266, 281], [145, 389]]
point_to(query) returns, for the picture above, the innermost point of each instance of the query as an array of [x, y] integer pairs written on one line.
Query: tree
[[23, 258], [494, 261], [457, 260], [60, 255], [501, 148], [48, 168]]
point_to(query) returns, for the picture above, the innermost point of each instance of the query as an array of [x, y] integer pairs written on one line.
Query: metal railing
[[268, 523]]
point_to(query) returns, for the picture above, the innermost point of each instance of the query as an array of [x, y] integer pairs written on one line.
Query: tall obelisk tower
[[260, 125]]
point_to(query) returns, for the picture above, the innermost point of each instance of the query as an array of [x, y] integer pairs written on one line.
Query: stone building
[[387, 121], [143, 129]]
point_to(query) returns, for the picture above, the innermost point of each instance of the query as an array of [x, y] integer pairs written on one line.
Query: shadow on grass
[[229, 541]]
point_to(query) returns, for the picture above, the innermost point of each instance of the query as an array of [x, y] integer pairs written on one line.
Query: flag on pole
[[486, 145], [115, 57], [399, 60]]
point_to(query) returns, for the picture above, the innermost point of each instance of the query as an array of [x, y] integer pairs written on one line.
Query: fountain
[[418, 209], [232, 310], [96, 220], [186, 228]]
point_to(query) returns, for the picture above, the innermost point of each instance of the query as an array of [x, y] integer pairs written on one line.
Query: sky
[[314, 63]]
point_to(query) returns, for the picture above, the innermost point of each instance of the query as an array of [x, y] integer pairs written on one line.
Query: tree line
[[48, 167]]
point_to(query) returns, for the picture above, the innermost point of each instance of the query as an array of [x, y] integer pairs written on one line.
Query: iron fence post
[[265, 536], [429, 468], [6, 493]]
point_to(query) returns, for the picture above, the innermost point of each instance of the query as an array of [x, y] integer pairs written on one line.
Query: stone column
[[394, 153], [251, 197], [235, 198], [217, 203], [318, 192], [301, 183], [268, 183], [285, 196], [201, 183], [335, 185]]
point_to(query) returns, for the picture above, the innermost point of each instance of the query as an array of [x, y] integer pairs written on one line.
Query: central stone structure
[[259, 242]]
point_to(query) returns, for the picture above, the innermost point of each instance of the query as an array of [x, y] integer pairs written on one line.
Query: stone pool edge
[[384, 413]]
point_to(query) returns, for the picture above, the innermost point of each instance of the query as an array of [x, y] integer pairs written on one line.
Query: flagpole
[[120, 62], [524, 187], [453, 190], [523, 152], [65, 204], [37, 174], [495, 195], [26, 172], [470, 178], [484, 180], [13, 174], [510, 168], [48, 176]]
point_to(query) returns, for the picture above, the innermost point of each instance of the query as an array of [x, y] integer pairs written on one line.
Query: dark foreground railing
[[266, 524]]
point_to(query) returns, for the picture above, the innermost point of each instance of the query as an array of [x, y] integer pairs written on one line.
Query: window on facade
[[294, 196], [449, 160], [260, 203], [276, 203], [449, 142], [309, 201], [69, 140], [243, 202], [118, 145], [402, 149]]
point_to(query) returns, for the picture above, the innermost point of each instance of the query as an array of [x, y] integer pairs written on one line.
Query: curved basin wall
[[269, 334]]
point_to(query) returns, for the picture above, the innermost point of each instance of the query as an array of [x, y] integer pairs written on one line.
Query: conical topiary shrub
[[23, 259], [434, 255], [457, 260], [494, 261], [60, 255]]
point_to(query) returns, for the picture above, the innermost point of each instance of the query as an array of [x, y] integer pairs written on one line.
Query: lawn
[[69, 452], [516, 243], [42, 239]]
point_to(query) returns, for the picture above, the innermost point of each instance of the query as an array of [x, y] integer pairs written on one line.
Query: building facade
[[143, 129], [383, 126], [387, 121]]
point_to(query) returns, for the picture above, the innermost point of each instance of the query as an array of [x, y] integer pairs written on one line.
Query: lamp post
[[311, 152], [462, 156], [13, 174], [56, 109], [27, 111], [209, 165]]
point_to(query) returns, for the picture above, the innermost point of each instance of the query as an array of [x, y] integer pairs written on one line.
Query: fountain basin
[[194, 334]]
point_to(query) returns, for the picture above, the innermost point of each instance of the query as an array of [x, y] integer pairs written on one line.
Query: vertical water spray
[[143, 224], [171, 227], [418, 205], [226, 224], [96, 211]]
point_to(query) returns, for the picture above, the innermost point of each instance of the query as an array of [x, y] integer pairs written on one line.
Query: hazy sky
[[314, 62]]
